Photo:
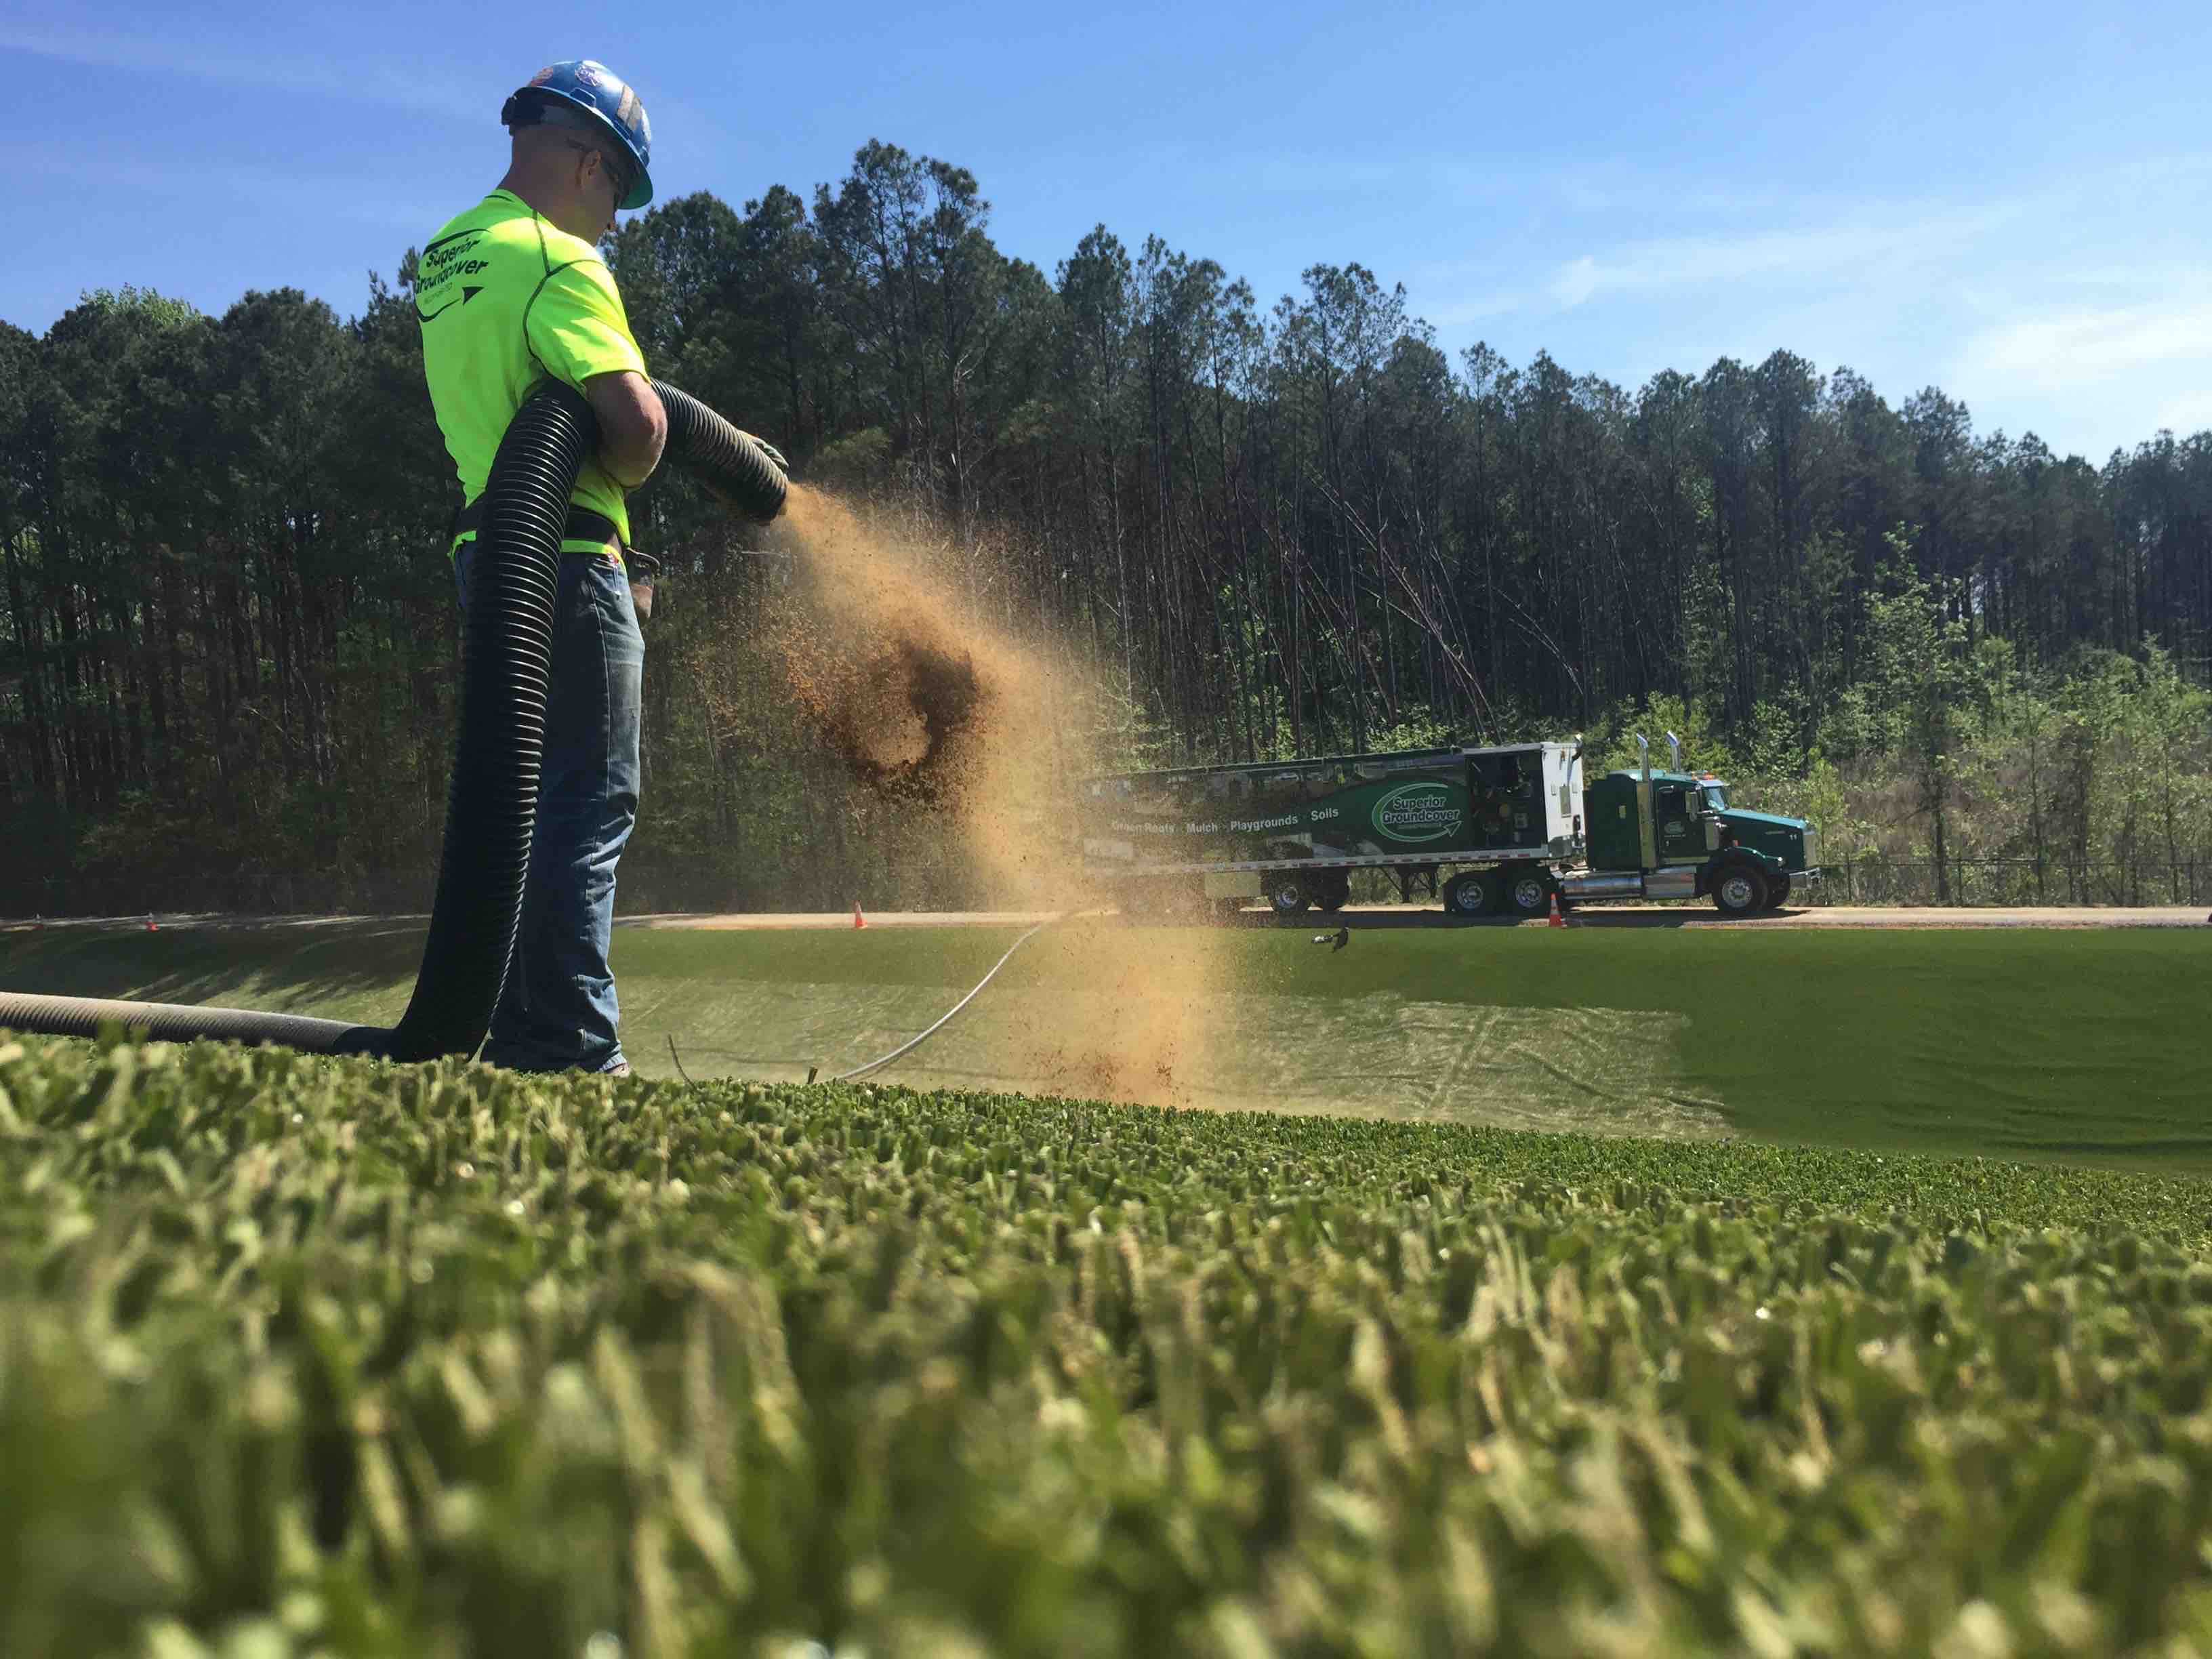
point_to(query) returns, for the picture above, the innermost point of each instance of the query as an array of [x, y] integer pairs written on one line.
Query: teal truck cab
[[1673, 835]]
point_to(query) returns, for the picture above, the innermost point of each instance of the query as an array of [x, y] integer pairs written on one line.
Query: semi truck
[[1509, 828]]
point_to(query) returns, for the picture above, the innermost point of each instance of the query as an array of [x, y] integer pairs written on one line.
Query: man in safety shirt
[[509, 293]]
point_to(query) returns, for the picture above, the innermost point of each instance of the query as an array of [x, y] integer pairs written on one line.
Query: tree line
[[228, 647]]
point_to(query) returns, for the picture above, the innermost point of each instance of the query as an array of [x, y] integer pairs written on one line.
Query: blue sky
[[2008, 201]]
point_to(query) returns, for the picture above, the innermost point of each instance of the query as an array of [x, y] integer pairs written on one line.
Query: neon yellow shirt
[[506, 299]]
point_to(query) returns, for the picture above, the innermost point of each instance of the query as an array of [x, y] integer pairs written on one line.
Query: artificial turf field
[[2077, 1045], [304, 1357]]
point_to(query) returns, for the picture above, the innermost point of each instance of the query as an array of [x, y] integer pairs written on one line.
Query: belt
[[583, 524]]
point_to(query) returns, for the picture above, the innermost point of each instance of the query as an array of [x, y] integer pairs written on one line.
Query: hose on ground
[[913, 1042], [170, 1022], [491, 804]]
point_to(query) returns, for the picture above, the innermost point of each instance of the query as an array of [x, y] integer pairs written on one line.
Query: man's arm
[[633, 426]]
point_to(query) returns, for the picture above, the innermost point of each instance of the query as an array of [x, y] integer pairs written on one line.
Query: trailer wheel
[[1740, 890], [1287, 895], [1529, 893], [1335, 893], [1473, 893]]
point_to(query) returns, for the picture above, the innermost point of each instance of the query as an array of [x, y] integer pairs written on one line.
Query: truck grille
[[1811, 847]]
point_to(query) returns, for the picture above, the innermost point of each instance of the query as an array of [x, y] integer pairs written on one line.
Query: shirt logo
[[467, 294]]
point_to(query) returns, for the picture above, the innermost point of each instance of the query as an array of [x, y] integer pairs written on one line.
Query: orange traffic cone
[[1555, 920], [859, 920]]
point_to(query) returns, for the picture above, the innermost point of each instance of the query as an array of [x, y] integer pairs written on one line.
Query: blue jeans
[[558, 1010]]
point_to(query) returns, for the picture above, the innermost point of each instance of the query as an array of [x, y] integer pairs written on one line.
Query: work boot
[[620, 1068]]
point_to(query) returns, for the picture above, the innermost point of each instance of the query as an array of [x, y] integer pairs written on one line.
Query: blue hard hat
[[600, 92]]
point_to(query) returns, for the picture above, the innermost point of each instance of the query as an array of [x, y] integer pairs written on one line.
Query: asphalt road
[[1357, 916], [1370, 916]]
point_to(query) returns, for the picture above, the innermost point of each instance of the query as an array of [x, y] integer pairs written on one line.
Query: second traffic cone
[[859, 920], [1555, 920]]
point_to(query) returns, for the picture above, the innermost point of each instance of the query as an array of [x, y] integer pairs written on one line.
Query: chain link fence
[[2006, 882]]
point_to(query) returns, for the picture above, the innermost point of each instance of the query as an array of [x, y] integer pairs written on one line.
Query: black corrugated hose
[[491, 805], [721, 456]]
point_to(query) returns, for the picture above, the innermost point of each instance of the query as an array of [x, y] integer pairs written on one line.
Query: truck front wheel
[[1287, 895], [1473, 893], [1740, 890], [1778, 893]]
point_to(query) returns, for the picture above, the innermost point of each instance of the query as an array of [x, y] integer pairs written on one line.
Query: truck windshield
[[1717, 797]]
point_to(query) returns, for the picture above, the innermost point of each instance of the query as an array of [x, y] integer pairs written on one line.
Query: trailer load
[[1515, 825]]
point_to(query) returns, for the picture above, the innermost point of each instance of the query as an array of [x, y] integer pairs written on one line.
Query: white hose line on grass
[[912, 1044]]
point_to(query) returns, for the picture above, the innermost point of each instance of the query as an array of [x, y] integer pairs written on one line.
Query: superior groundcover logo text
[[1419, 811]]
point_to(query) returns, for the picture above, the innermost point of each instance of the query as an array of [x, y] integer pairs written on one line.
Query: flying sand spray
[[929, 704]]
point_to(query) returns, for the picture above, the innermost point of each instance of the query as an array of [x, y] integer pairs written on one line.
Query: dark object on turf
[[1337, 940], [491, 805]]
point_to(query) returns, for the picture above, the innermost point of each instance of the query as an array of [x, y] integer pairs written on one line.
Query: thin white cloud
[[1574, 282], [398, 83], [2062, 351], [1862, 248], [2091, 352], [2107, 377], [1474, 308], [2191, 412], [366, 195], [1620, 185], [1853, 250]]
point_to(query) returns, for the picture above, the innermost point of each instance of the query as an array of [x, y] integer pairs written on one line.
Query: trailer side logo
[[1419, 811]]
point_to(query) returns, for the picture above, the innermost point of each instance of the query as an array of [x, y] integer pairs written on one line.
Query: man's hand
[[633, 426]]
